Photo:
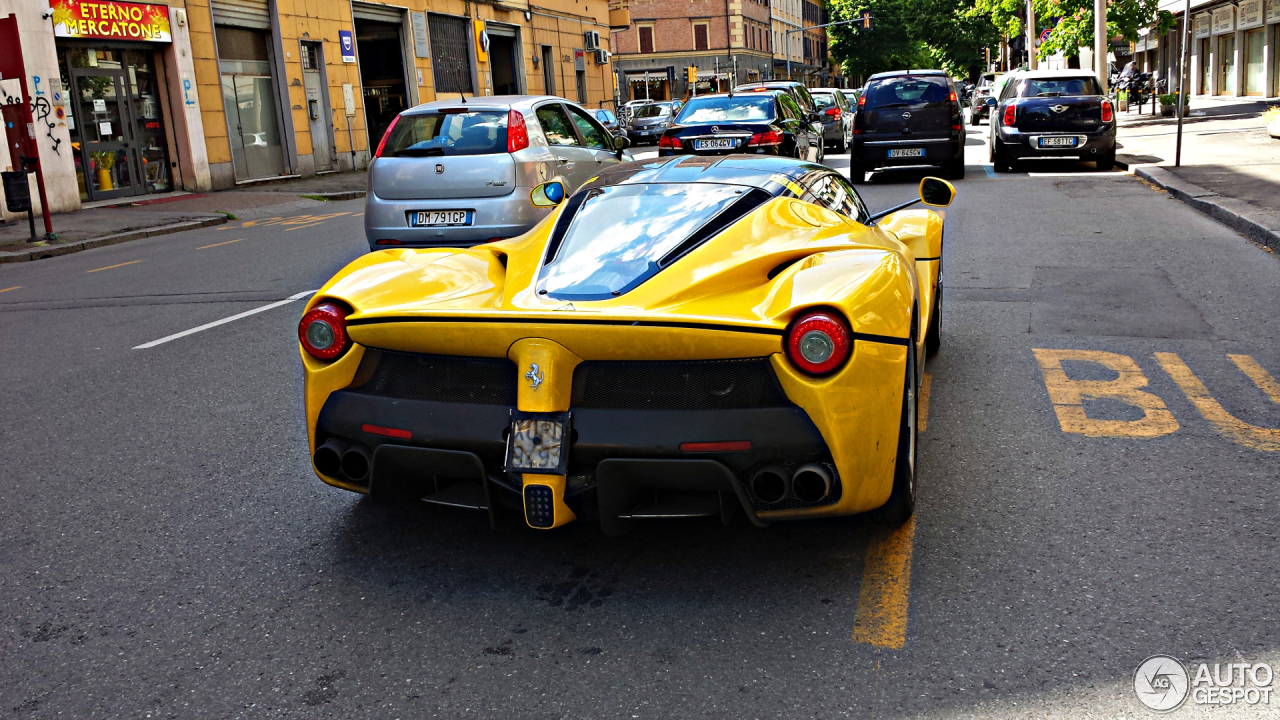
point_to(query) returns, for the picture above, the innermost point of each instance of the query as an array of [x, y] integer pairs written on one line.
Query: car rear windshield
[[620, 233], [447, 133], [727, 109], [653, 111], [824, 101], [1058, 87], [908, 91]]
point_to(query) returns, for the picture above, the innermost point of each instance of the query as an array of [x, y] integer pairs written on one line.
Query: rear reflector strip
[[733, 446], [386, 431]]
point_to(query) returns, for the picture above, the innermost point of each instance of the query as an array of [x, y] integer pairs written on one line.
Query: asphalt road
[[168, 553]]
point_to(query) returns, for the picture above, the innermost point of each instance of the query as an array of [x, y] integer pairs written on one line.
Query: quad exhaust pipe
[[810, 483], [340, 459], [355, 463]]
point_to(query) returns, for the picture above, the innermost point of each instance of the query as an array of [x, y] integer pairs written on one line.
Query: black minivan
[[908, 117]]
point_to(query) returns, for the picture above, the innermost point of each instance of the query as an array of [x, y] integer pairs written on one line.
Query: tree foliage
[[1075, 28]]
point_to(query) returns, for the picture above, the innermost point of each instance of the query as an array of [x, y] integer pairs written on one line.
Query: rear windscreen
[[752, 108], [908, 91], [1058, 87], [823, 101], [481, 132], [653, 111]]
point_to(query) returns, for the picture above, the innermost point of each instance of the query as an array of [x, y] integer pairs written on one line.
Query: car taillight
[[323, 332], [819, 342], [957, 128], [953, 97], [1010, 113], [1107, 114], [834, 112], [388, 241], [517, 132], [862, 101], [383, 143], [769, 138], [669, 142]]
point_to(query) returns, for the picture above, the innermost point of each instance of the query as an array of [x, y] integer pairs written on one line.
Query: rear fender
[[920, 229]]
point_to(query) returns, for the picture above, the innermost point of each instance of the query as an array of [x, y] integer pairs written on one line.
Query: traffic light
[[691, 74], [865, 23]]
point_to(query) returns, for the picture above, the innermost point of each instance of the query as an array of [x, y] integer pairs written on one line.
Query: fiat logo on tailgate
[[439, 169]]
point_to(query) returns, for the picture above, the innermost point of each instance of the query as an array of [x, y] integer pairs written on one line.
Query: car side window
[[593, 136], [832, 192], [789, 108], [555, 125]]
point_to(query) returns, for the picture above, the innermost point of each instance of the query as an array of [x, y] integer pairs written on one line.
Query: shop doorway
[[1227, 65], [548, 70], [317, 106], [1206, 66], [116, 122], [1255, 69], [249, 99], [505, 60], [381, 53]]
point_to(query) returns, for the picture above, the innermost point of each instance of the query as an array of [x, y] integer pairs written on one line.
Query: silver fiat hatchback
[[451, 173]]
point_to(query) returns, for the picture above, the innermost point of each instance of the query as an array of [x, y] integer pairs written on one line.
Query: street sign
[[348, 46], [1044, 36]]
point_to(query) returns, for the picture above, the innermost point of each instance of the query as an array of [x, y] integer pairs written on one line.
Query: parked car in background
[[978, 106], [649, 120], [768, 123], [629, 108], [908, 117], [803, 98], [609, 121], [836, 114], [457, 174], [852, 94], [1053, 113]]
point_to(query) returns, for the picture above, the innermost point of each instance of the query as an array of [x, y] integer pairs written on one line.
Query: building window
[[700, 36], [646, 38]]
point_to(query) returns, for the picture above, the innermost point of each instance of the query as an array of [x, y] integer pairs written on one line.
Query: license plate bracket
[[539, 442], [441, 218], [906, 152]]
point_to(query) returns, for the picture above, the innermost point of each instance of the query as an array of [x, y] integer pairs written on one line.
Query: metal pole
[[1182, 73], [1031, 36], [1100, 64]]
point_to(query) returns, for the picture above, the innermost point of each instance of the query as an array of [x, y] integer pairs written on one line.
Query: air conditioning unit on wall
[[593, 40], [602, 57]]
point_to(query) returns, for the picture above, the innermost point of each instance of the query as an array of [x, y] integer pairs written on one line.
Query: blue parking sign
[[348, 46]]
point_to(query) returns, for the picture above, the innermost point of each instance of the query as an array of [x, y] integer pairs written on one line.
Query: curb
[[48, 251], [1260, 226], [337, 196]]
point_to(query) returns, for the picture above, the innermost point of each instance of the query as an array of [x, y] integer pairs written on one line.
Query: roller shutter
[[377, 13], [242, 13]]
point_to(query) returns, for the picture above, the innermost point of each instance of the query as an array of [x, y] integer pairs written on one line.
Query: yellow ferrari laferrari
[[679, 338]]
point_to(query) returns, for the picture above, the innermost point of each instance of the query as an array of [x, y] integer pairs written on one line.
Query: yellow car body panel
[[731, 297]]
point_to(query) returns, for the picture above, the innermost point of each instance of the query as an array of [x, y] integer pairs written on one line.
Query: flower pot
[[104, 180], [1167, 110], [1273, 128]]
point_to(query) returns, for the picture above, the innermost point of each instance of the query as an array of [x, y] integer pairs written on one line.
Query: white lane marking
[[224, 321]]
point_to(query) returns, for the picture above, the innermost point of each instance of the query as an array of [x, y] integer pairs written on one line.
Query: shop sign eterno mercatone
[[108, 20]]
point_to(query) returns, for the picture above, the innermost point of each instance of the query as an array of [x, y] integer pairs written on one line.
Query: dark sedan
[[1053, 113], [648, 121], [770, 123], [609, 121]]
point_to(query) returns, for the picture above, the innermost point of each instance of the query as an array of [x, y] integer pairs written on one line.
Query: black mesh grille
[[443, 378], [691, 385]]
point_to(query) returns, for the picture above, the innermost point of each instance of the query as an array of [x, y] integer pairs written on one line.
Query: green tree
[[910, 34], [1075, 28]]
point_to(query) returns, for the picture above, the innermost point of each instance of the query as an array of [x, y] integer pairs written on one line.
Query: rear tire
[[857, 171], [842, 144], [954, 169], [1000, 158], [974, 117], [1106, 163], [902, 499], [933, 336]]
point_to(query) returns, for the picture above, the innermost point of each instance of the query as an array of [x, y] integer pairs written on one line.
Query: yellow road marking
[[1256, 373], [131, 262], [1251, 436], [358, 215], [1068, 395], [15, 287], [924, 401], [301, 227], [205, 247], [886, 584]]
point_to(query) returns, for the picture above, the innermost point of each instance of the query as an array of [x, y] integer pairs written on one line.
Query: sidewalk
[[127, 219], [1230, 166]]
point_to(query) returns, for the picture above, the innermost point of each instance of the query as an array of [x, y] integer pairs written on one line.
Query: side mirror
[[936, 192], [548, 194], [621, 143], [991, 101]]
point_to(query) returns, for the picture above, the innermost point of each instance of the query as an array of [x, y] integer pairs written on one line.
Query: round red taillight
[[819, 342], [323, 332]]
